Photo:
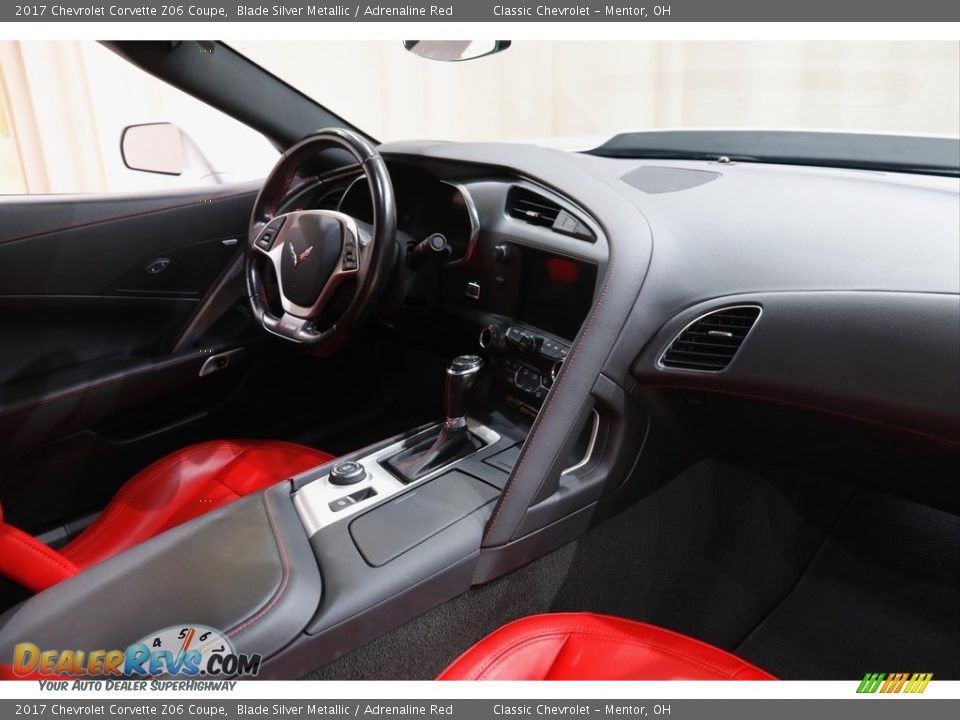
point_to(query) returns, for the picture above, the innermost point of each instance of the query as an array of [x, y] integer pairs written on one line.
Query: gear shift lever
[[452, 441], [462, 374]]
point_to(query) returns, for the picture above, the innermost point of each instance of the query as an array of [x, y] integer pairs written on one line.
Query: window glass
[[577, 94], [64, 106]]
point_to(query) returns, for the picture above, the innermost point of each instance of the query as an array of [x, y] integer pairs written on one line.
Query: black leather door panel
[[51, 246], [42, 334], [46, 407], [94, 293]]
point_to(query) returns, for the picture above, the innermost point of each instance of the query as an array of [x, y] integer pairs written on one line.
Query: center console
[[372, 477], [531, 315]]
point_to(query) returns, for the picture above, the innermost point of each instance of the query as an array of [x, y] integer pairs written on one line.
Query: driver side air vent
[[710, 342], [522, 204], [530, 207]]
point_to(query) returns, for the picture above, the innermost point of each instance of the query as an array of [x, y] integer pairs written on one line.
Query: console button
[[501, 253], [523, 339], [347, 473], [552, 350], [341, 503], [528, 380]]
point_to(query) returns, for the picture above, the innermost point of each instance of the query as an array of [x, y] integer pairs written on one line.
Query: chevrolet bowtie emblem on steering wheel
[[297, 259]]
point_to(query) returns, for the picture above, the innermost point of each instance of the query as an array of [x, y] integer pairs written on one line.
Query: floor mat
[[882, 595], [708, 554], [421, 648]]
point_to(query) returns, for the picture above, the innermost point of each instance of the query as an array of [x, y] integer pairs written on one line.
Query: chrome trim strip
[[474, 222], [588, 455]]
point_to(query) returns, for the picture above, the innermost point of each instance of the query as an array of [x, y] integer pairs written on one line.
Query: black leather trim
[[72, 399], [246, 568]]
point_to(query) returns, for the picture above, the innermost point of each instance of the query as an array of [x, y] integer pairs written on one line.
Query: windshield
[[578, 94]]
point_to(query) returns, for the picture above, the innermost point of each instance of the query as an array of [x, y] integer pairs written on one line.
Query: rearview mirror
[[455, 50], [153, 148]]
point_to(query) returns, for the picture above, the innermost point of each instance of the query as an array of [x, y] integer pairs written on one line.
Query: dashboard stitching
[[541, 420]]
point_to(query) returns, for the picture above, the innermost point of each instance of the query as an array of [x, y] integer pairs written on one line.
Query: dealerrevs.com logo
[[894, 682], [180, 651]]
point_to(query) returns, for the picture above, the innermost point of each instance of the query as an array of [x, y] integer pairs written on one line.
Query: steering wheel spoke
[[291, 327]]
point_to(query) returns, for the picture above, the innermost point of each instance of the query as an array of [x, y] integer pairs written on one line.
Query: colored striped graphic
[[894, 682]]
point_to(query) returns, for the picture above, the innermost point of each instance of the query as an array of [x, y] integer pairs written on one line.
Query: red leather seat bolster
[[584, 646], [184, 485], [30, 563]]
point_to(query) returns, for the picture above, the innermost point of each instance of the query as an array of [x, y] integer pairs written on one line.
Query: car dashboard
[[830, 265]]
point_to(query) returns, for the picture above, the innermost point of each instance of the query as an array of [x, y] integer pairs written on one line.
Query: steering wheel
[[329, 268]]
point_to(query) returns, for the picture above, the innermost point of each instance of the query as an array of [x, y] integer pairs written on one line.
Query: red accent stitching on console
[[282, 547], [541, 420]]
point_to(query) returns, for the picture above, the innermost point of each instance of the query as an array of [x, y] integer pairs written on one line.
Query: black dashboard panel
[[892, 359], [846, 264]]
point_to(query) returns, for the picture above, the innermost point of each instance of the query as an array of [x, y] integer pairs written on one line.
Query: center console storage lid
[[395, 527], [246, 569]]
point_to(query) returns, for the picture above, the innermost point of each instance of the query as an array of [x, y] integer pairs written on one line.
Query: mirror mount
[[455, 50]]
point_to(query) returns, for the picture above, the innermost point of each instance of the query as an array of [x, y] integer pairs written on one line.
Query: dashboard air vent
[[530, 207], [534, 208], [710, 342]]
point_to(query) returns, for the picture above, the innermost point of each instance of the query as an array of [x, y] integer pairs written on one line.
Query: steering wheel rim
[[314, 251]]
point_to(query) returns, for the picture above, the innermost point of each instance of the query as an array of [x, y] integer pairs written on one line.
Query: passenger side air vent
[[530, 207], [710, 342]]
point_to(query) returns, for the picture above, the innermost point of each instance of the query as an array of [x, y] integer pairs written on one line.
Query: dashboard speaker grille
[[710, 342], [530, 207]]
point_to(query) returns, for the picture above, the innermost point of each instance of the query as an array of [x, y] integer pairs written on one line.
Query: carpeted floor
[[804, 576], [883, 592]]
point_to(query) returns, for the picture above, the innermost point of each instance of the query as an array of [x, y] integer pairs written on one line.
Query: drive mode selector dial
[[347, 473]]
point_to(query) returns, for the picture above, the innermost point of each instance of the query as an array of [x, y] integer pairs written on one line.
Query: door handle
[[221, 361]]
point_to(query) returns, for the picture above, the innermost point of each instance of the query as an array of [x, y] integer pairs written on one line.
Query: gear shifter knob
[[462, 374]]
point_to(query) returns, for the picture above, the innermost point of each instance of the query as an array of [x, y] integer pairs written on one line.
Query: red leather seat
[[584, 646], [169, 492]]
